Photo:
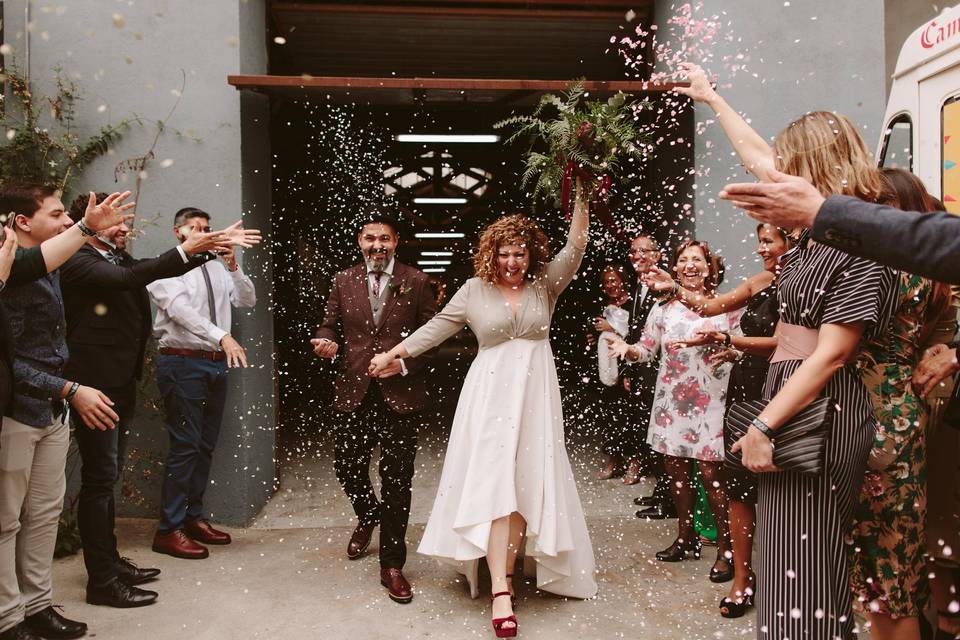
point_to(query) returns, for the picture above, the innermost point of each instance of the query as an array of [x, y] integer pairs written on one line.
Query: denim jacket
[[38, 329]]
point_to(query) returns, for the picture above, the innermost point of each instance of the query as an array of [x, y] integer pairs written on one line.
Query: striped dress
[[803, 590]]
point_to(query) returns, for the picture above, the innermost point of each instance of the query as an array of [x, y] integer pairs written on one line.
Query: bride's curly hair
[[511, 229]]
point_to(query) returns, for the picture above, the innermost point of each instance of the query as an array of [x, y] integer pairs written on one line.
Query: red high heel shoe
[[498, 628]]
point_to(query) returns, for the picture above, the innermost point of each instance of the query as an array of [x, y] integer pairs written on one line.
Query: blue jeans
[[194, 392]]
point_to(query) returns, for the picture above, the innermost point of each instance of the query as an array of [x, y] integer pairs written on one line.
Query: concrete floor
[[287, 576]]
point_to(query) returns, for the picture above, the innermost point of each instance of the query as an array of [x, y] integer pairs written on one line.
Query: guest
[[193, 325], [506, 474], [828, 301], [750, 354], [108, 323], [370, 307], [35, 435], [888, 566], [611, 416], [927, 245], [686, 423], [641, 379]]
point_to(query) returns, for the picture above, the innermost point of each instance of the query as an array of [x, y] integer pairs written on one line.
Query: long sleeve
[[649, 343], [451, 319], [28, 265], [426, 311], [332, 328], [560, 271], [87, 269], [926, 244], [32, 382], [243, 294], [171, 296]]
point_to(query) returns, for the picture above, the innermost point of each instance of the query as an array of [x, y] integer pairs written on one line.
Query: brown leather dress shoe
[[397, 586], [360, 540], [177, 544], [201, 531]]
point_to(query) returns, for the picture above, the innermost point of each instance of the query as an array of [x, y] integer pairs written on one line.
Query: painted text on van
[[935, 34]]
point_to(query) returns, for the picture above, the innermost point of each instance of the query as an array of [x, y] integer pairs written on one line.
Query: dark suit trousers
[[370, 424], [101, 455]]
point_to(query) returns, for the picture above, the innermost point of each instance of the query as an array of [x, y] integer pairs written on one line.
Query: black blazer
[[643, 375], [925, 244], [108, 313]]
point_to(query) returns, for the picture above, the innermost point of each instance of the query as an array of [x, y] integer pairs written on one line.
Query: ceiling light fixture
[[433, 262], [436, 253], [439, 201], [433, 234], [481, 138]]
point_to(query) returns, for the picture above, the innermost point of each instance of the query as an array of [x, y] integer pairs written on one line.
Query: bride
[[506, 474]]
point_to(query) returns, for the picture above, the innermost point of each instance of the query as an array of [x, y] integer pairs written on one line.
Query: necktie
[[376, 283], [210, 300]]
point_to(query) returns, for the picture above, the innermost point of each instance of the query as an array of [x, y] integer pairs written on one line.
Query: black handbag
[[799, 446]]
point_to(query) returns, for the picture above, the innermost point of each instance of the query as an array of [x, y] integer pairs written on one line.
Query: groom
[[371, 308]]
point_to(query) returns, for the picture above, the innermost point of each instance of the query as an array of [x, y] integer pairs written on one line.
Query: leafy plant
[[594, 138], [41, 143]]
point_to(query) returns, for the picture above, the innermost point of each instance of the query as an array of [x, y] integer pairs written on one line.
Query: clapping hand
[[240, 237], [722, 357], [939, 361], [659, 280], [617, 347], [699, 339], [108, 213]]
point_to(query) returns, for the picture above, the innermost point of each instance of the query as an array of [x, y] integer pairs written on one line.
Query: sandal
[[498, 628], [737, 608]]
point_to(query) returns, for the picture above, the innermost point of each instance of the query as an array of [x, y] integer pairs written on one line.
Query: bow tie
[[114, 257]]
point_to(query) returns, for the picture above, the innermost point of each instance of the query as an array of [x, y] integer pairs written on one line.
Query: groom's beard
[[374, 264]]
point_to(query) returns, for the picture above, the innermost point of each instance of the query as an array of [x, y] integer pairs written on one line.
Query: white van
[[922, 122]]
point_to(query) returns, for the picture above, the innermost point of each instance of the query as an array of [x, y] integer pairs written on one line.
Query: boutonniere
[[400, 289]]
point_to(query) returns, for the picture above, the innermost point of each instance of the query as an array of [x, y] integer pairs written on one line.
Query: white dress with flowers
[[686, 420]]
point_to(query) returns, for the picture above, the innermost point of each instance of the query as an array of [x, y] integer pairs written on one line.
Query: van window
[[898, 144], [950, 154]]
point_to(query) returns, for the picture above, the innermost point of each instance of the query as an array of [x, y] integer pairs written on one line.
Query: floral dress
[[688, 405], [888, 543]]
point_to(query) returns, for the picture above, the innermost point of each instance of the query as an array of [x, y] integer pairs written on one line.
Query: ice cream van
[[922, 122]]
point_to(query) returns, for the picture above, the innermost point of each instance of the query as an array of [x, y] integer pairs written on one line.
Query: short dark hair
[[187, 213], [380, 216], [79, 205], [24, 199]]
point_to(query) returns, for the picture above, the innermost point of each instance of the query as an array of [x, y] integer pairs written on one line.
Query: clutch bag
[[800, 445]]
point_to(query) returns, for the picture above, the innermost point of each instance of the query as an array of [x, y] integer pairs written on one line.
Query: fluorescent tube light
[[433, 262], [434, 270], [441, 137], [432, 234], [440, 201], [436, 253]]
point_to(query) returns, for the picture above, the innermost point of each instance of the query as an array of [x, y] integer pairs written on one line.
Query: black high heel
[[737, 608], [679, 549], [725, 575]]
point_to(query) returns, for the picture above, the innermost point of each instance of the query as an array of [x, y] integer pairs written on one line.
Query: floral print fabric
[[887, 543], [688, 405]]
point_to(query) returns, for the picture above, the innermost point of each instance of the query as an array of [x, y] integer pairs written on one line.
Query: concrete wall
[[808, 55], [128, 58]]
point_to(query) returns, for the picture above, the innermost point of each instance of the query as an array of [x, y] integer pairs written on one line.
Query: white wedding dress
[[506, 451]]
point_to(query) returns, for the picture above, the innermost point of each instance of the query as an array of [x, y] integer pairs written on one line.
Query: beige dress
[[506, 451]]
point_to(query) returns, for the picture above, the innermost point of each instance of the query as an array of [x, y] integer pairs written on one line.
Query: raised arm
[[110, 212], [754, 152], [560, 271], [736, 298]]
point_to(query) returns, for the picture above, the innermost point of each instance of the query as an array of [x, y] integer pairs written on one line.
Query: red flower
[[688, 397], [674, 369]]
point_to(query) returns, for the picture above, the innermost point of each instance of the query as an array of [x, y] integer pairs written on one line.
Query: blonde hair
[[512, 229], [826, 149]]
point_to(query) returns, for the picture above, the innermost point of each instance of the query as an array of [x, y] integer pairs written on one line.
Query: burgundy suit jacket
[[348, 320]]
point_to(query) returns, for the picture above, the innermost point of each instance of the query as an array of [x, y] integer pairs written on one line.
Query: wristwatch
[[84, 229], [727, 340]]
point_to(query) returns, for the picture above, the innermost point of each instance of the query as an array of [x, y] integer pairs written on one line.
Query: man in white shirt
[[196, 349]]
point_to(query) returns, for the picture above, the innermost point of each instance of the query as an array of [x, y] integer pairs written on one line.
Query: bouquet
[[569, 136]]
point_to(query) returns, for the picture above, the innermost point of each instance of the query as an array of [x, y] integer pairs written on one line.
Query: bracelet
[[762, 427], [73, 391], [676, 288], [84, 229], [727, 340]]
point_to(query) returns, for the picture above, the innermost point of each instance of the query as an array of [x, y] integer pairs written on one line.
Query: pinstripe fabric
[[803, 590]]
